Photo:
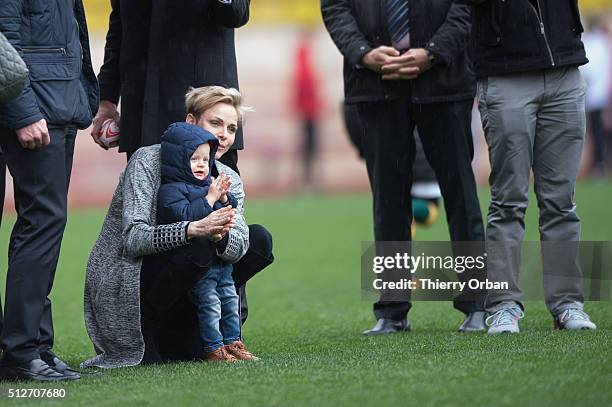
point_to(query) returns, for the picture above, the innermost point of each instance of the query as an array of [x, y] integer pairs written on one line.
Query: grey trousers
[[534, 121]]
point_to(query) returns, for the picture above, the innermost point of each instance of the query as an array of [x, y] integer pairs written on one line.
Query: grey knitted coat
[[129, 232]]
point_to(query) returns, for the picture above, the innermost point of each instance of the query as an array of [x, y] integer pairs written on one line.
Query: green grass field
[[306, 319]]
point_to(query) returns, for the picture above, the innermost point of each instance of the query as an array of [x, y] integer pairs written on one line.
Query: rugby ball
[[109, 133]]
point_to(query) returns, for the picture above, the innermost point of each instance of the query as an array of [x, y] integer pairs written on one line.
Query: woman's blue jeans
[[217, 307]]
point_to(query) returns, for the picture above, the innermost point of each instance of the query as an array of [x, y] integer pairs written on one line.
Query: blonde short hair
[[198, 100]]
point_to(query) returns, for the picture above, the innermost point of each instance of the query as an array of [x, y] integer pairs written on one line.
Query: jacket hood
[[178, 144]]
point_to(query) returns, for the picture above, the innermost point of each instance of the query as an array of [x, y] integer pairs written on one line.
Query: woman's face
[[222, 121]]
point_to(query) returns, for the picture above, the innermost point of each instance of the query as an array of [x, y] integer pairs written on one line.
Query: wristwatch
[[431, 57]]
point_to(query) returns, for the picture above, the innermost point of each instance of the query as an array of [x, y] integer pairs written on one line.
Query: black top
[[156, 50], [517, 36]]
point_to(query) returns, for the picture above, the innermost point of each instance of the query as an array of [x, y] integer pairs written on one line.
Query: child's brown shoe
[[239, 351], [220, 355]]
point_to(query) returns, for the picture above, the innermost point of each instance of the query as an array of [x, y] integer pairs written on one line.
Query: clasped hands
[[394, 66], [213, 227]]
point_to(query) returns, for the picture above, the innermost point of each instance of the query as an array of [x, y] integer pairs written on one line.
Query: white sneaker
[[505, 321], [574, 319]]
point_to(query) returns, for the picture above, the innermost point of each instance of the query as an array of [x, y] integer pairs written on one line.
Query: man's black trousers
[[41, 178], [383, 134]]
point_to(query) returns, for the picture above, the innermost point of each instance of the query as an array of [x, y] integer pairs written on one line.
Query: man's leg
[[559, 142], [508, 107], [598, 131], [46, 323], [309, 147], [384, 131], [445, 130], [39, 178]]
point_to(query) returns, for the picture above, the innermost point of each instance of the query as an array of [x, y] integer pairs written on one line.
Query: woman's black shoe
[[35, 370]]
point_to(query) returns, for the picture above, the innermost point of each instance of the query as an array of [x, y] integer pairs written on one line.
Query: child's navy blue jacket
[[181, 195]]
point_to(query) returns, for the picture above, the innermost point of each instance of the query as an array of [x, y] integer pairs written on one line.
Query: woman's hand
[[214, 226]]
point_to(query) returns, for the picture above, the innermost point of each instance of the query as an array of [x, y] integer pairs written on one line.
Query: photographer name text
[[436, 284]]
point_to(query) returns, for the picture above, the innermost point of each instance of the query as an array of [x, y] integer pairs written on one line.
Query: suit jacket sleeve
[[231, 15], [453, 35], [344, 30], [109, 77], [22, 110]]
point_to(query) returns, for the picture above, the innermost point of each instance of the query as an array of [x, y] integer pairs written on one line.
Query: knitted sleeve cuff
[[168, 237]]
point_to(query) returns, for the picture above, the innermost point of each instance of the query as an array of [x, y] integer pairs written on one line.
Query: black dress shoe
[[59, 366], [36, 370], [385, 326]]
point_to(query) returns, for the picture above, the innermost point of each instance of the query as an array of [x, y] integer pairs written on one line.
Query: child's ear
[[190, 119]]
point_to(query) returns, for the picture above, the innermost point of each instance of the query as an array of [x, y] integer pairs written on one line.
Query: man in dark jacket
[[37, 134], [154, 52], [406, 65], [531, 99]]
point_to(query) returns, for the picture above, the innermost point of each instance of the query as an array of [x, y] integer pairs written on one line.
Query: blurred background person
[[597, 74], [425, 190], [307, 103]]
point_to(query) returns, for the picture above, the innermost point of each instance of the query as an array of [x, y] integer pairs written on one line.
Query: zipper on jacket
[[538, 13], [79, 38], [44, 50]]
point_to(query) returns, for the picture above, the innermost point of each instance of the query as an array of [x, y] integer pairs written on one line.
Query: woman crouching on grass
[[140, 274]]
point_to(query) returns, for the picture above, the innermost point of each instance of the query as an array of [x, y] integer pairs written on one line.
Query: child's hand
[[215, 190], [225, 186]]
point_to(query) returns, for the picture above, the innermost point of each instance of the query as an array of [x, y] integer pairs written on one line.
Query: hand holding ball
[[109, 133]]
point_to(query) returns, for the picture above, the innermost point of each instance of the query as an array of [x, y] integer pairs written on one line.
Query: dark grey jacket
[[440, 26], [52, 39]]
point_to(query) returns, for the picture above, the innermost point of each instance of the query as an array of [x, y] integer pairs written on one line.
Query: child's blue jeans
[[217, 305]]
